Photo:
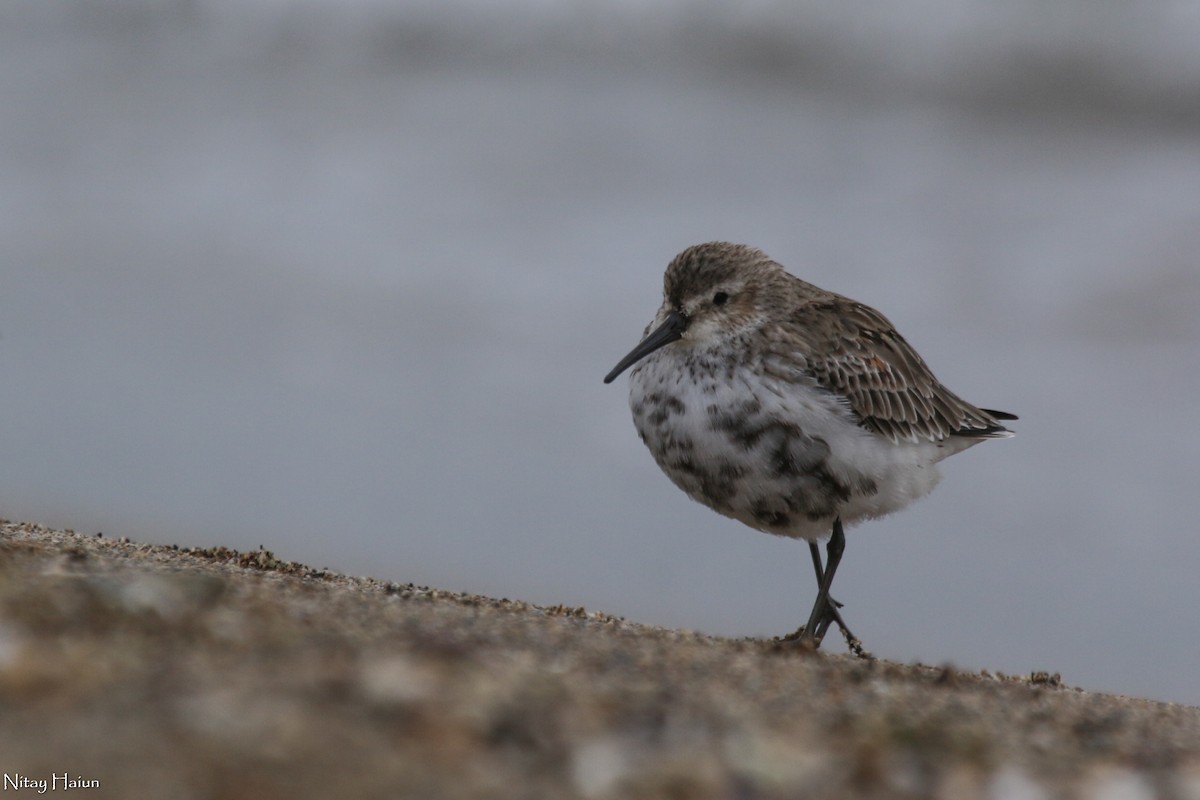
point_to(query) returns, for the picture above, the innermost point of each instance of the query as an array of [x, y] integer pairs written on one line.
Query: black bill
[[671, 330]]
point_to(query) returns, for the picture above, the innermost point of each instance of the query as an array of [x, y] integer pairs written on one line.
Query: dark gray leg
[[822, 611], [820, 570], [825, 609], [816, 559]]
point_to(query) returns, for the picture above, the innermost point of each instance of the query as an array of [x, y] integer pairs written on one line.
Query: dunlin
[[789, 408]]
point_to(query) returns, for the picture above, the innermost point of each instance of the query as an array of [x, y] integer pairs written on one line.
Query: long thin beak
[[671, 330]]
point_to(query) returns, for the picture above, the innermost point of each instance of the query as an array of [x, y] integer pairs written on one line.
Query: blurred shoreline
[[1116, 64]]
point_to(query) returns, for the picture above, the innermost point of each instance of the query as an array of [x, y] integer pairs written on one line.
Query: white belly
[[782, 458]]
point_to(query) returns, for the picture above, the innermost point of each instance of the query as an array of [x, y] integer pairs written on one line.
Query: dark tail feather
[[980, 429]]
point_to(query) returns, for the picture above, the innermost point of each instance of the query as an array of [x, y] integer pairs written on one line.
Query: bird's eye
[[720, 298]]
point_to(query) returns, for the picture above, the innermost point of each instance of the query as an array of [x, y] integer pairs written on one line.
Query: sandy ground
[[156, 671]]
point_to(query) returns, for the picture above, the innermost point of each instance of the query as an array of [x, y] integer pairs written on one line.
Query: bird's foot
[[855, 645], [808, 641], [799, 639]]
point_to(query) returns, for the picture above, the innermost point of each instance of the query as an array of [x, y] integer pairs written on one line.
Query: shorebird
[[790, 408]]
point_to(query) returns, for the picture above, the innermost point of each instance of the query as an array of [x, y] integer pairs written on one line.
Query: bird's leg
[[820, 570], [823, 612], [816, 559], [807, 633], [825, 609]]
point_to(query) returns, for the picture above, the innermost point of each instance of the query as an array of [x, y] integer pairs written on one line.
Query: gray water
[[342, 279]]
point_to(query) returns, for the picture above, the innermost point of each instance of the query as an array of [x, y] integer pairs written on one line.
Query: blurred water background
[[342, 277]]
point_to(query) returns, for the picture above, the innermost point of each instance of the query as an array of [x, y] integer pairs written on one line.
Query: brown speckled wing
[[857, 354]]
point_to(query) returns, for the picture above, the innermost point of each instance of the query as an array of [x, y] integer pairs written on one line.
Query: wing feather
[[852, 350]]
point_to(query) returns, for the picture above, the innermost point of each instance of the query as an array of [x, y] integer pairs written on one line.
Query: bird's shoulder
[[854, 351]]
